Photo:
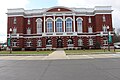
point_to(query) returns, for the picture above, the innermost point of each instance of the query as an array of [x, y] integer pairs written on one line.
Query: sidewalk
[[58, 54]]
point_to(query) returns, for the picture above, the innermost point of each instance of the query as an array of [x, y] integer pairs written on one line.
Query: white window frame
[[80, 42], [14, 20], [90, 41], [104, 18], [14, 43], [14, 30], [59, 25], [89, 20], [49, 25], [28, 21], [29, 43], [28, 30], [39, 43], [39, 25], [104, 28], [69, 25], [105, 42], [49, 43], [90, 29], [70, 42]]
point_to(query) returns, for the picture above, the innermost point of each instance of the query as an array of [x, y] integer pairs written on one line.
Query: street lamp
[[108, 38], [114, 38], [10, 40]]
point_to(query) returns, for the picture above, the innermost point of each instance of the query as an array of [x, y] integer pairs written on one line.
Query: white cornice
[[77, 11]]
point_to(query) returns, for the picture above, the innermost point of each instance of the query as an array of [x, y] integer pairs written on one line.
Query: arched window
[[79, 25], [14, 30], [70, 42], [14, 43], [80, 42], [90, 41], [59, 25], [39, 25], [49, 25], [29, 43], [49, 42], [28, 30], [69, 25], [90, 30], [39, 43]]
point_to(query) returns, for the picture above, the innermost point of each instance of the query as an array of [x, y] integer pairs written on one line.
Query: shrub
[[97, 45], [16, 49], [30, 49]]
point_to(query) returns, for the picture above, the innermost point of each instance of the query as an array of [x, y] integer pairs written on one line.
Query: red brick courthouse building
[[60, 27]]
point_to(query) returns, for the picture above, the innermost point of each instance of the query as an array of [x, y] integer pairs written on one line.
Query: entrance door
[[59, 43]]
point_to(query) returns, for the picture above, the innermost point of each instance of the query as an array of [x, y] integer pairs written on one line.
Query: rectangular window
[[105, 42], [90, 30], [28, 21], [14, 21]]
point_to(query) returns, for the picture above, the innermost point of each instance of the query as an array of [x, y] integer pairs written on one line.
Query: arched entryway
[[59, 43]]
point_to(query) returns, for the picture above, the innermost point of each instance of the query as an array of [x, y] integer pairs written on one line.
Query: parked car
[[117, 45]]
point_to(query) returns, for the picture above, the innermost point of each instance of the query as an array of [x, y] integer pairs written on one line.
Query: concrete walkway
[[58, 54]]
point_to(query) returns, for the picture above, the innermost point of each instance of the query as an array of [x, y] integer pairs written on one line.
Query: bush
[[97, 45], [16, 49], [84, 47], [30, 49]]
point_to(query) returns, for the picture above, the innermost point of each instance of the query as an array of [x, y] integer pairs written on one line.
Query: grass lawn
[[82, 52], [26, 52]]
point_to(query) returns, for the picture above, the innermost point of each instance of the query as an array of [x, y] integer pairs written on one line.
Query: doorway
[[59, 43]]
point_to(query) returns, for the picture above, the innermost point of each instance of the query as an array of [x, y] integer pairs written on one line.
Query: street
[[83, 69]]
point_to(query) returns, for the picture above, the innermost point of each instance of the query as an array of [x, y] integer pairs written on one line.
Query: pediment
[[59, 9]]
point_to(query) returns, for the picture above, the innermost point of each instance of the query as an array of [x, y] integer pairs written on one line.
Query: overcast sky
[[37, 4]]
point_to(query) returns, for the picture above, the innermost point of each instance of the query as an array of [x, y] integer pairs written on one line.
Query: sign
[[110, 39], [8, 42]]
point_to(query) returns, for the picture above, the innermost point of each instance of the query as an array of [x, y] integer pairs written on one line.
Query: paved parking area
[[78, 69]]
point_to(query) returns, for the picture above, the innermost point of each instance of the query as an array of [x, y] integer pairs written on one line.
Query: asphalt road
[[87, 69]]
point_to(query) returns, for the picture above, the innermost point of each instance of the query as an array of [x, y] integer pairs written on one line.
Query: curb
[[24, 54], [93, 53]]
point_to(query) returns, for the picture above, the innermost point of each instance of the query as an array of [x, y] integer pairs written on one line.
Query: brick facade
[[59, 39]]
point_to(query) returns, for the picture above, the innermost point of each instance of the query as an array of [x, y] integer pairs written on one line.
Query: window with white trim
[[14, 43], [90, 30], [104, 19], [79, 25], [70, 42], [80, 42], [39, 43], [28, 21], [69, 25], [49, 25], [39, 26], [14, 30], [59, 25], [105, 42], [28, 30], [104, 28], [90, 41], [14, 20], [29, 43], [49, 42], [89, 20]]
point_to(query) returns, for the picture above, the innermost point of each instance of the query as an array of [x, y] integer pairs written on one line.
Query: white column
[[44, 22], [64, 21], [74, 22], [54, 21]]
